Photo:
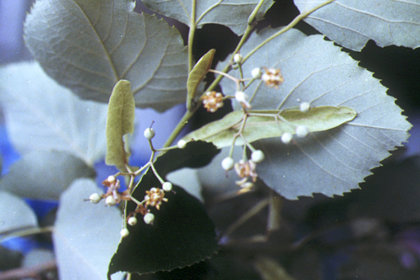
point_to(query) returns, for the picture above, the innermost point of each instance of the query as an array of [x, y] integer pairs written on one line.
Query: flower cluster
[[113, 195], [272, 77], [212, 101]]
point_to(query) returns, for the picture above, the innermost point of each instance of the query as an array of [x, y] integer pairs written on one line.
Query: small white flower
[[257, 156], [301, 131], [228, 163], [148, 218], [95, 198], [149, 133], [124, 232], [237, 58], [241, 97], [304, 107], [110, 200], [256, 73], [286, 137], [181, 144], [132, 221], [167, 186]]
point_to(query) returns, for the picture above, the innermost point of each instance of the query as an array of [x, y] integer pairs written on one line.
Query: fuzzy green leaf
[[351, 23], [47, 174], [232, 13], [197, 74], [120, 122], [41, 115], [269, 124], [315, 71], [182, 233], [15, 213], [89, 45], [85, 235]]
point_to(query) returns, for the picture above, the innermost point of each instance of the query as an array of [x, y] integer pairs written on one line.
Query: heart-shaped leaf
[[268, 124], [120, 122], [41, 115], [89, 45], [315, 71], [351, 23], [232, 13], [182, 232]]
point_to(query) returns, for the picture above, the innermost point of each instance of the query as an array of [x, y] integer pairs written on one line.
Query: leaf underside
[[316, 71], [120, 122], [270, 124], [351, 23], [89, 45], [179, 226], [231, 13]]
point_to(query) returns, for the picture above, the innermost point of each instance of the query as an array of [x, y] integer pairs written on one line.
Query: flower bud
[[124, 232], [256, 73], [132, 221], [167, 186], [286, 137], [257, 156], [149, 218], [149, 133], [304, 107], [237, 58], [95, 198], [181, 144], [301, 131], [228, 163], [110, 200]]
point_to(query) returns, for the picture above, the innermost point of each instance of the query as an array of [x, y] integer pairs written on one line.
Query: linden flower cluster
[[113, 196], [245, 169]]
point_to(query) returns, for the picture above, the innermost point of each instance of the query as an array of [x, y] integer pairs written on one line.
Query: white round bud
[[181, 144], [257, 156], [95, 198], [110, 200], [148, 218], [286, 137], [256, 73], [240, 96], [304, 107], [124, 232], [111, 179], [167, 186], [237, 58], [132, 221], [301, 131], [228, 163], [149, 133]]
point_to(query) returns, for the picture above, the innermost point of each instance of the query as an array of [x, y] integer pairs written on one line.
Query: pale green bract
[[315, 71], [351, 23], [270, 124], [42, 115], [231, 13], [89, 45]]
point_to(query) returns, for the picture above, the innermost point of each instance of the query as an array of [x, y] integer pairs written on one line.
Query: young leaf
[[180, 224], [232, 13], [15, 213], [351, 23], [85, 235], [89, 45], [315, 71], [197, 74], [41, 115], [47, 174], [269, 124], [120, 122]]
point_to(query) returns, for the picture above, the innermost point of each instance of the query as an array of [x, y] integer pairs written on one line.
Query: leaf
[[188, 178], [41, 115], [182, 233], [267, 124], [120, 122], [15, 213], [232, 13], [351, 23], [85, 235], [197, 74], [315, 71], [46, 174], [89, 45]]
